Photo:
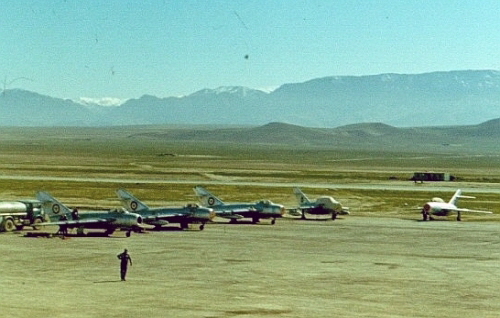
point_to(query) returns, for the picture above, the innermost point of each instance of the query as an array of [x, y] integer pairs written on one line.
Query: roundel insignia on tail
[[56, 208], [133, 205], [211, 201]]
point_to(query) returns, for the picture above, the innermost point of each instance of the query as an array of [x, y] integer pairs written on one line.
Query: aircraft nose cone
[[211, 214], [427, 207]]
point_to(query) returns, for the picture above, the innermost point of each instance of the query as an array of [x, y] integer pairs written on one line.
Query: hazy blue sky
[[124, 49]]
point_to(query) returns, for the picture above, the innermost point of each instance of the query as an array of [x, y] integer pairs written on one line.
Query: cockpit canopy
[[118, 210], [265, 202]]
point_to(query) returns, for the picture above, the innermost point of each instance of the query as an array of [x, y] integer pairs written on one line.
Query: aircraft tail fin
[[457, 195], [207, 198], [129, 202], [301, 197], [50, 206]]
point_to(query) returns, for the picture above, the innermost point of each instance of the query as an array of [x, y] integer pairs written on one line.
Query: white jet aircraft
[[324, 205], [440, 208]]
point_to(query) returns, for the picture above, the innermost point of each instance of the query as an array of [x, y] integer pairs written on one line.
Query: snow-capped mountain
[[429, 99]]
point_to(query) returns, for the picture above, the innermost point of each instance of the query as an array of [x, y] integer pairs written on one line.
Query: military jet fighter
[[191, 213], [59, 214], [263, 209], [440, 208], [324, 205]]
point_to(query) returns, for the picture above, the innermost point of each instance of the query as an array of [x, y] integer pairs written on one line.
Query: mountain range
[[402, 100]]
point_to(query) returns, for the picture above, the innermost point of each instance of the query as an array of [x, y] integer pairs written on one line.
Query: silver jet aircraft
[[324, 205], [438, 207], [191, 213], [61, 215], [263, 209]]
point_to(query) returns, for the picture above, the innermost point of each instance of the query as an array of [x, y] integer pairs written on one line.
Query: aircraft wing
[[294, 212], [230, 214], [82, 222], [235, 210], [156, 222], [473, 211], [240, 210], [164, 215], [344, 211]]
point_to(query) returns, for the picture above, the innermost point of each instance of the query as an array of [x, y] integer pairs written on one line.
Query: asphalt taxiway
[[351, 267]]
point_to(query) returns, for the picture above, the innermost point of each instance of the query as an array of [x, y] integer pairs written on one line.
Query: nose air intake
[[427, 207], [211, 215]]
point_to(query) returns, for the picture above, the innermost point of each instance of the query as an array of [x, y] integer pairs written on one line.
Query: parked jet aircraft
[[61, 215], [191, 213], [324, 205], [263, 209], [440, 208]]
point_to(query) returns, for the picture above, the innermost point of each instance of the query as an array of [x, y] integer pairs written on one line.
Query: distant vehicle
[[17, 214], [263, 209], [61, 215], [431, 176], [438, 207], [191, 213], [324, 205]]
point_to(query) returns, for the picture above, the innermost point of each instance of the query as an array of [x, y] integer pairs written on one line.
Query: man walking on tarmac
[[124, 260]]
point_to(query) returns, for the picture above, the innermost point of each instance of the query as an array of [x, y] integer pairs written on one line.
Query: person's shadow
[[107, 281]]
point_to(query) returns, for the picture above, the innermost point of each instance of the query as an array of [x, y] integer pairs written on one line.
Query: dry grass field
[[381, 261]]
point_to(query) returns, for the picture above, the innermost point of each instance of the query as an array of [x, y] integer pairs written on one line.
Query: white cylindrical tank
[[12, 207]]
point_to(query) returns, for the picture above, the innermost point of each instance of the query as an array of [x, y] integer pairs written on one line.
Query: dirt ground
[[351, 267]]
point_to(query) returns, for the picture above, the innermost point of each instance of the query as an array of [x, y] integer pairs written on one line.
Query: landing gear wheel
[[303, 216], [255, 220], [36, 223], [273, 221], [128, 234], [80, 231], [8, 225], [202, 227], [334, 216]]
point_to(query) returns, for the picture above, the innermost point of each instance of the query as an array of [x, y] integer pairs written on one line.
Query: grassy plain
[[84, 166], [381, 261]]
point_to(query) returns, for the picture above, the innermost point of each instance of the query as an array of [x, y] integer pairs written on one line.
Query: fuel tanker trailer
[[15, 215]]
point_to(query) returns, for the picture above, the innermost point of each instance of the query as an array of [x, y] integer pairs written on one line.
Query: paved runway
[[386, 185]]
